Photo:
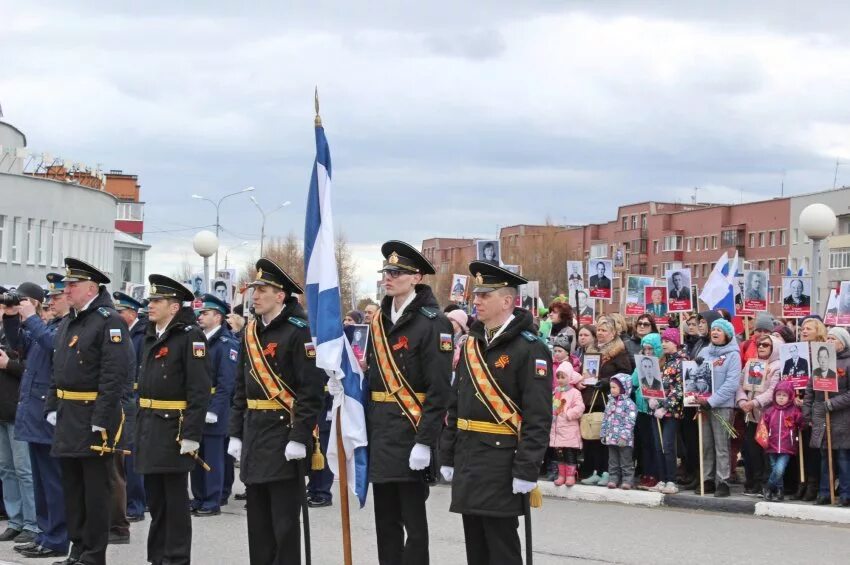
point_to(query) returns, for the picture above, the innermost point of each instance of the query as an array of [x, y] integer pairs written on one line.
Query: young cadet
[[223, 353], [174, 393], [499, 419], [277, 398]]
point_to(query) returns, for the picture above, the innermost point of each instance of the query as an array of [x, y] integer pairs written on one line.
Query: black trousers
[[595, 458], [492, 541], [689, 432], [274, 529], [170, 534], [568, 455], [756, 465], [87, 484], [400, 509]]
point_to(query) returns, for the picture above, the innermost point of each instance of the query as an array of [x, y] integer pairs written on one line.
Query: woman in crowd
[[563, 323], [460, 321], [645, 423], [668, 411], [353, 317], [644, 325], [752, 403], [614, 359], [812, 330], [586, 341]]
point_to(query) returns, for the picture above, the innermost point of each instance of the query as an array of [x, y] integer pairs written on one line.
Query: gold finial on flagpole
[[318, 120]]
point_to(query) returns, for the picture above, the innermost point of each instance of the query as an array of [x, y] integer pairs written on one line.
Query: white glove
[[188, 446], [211, 418], [447, 472], [420, 457], [660, 412], [523, 487], [653, 403], [335, 387], [97, 429], [234, 448], [295, 450], [51, 418]]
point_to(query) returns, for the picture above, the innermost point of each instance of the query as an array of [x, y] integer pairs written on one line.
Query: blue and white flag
[[333, 351], [720, 288]]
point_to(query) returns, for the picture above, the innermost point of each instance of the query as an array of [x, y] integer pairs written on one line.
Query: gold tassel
[[535, 498], [318, 460]]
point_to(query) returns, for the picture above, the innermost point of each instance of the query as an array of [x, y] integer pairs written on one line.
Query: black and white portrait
[[488, 251]]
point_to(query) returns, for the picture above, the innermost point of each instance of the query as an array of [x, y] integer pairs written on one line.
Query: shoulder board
[[223, 339], [103, 312], [297, 322], [188, 328], [429, 313], [529, 336]]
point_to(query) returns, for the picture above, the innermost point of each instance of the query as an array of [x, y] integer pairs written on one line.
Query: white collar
[[396, 314], [211, 333], [136, 321], [263, 320], [84, 308], [501, 329]]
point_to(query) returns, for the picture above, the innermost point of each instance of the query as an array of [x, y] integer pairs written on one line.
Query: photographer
[[15, 470]]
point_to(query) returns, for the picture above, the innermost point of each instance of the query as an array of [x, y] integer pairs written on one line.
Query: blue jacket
[[223, 357], [130, 398], [726, 366], [137, 336], [35, 339]]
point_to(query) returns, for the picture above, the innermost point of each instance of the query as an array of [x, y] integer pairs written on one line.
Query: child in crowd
[[560, 353], [783, 420], [565, 435], [617, 432]]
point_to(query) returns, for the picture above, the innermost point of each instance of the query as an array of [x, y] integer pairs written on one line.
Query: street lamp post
[[217, 210], [229, 249], [205, 243], [817, 221], [265, 215]]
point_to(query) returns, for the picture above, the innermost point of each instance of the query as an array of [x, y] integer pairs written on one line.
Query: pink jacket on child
[[567, 408]]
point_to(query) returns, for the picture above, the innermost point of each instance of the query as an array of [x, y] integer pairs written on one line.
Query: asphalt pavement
[[564, 532]]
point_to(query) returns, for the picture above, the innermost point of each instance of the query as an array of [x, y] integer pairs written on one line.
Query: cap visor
[[482, 289]]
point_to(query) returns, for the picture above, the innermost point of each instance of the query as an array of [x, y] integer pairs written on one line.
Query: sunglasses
[[765, 344], [644, 324], [394, 274]]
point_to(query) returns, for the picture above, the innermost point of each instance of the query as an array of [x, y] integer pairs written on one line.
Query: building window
[[771, 265], [598, 250], [643, 221], [3, 238], [761, 265], [634, 221], [839, 258], [41, 242], [17, 239], [782, 266], [782, 238], [625, 223], [771, 238], [761, 239], [655, 246], [129, 266], [655, 270], [696, 244], [752, 239], [673, 243], [796, 235], [30, 241], [714, 242], [705, 270], [705, 243], [729, 237], [688, 245], [794, 264]]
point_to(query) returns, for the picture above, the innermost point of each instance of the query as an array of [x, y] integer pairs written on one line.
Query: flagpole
[[343, 490]]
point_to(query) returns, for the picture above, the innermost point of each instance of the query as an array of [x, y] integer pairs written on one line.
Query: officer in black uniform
[[174, 392], [128, 308], [418, 338], [277, 398], [223, 353], [90, 364], [490, 466]]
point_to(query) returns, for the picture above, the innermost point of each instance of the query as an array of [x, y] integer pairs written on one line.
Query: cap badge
[[259, 274], [393, 258], [153, 289], [479, 279]]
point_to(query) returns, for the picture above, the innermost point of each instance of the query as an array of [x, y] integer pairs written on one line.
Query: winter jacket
[[762, 400], [223, 354], [615, 359], [35, 338], [633, 344], [814, 409], [671, 379], [10, 377], [726, 365], [567, 408], [618, 421], [783, 422], [696, 345], [653, 340]]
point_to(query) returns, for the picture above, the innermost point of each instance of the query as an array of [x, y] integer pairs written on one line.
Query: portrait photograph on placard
[[679, 297], [359, 339], [649, 376], [599, 282], [515, 269], [824, 367], [755, 379], [458, 290], [655, 298], [635, 296], [843, 309], [590, 368], [488, 251], [586, 309], [831, 314], [794, 360], [796, 297], [575, 280], [529, 294], [620, 257], [755, 290], [739, 297], [697, 381]]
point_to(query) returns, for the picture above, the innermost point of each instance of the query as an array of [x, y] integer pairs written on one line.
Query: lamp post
[[229, 249], [218, 208], [817, 221], [265, 215], [205, 243]]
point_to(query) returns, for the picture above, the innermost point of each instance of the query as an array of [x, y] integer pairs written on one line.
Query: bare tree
[[184, 271]]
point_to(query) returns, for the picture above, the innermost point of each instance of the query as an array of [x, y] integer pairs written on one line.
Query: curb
[[794, 511]]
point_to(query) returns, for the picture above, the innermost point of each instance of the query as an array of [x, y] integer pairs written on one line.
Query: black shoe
[[9, 534], [240, 496], [140, 518], [845, 501], [722, 490], [41, 551], [30, 545], [68, 561], [693, 484], [780, 495], [25, 536], [823, 501], [206, 513], [811, 492], [709, 487], [224, 502], [319, 502], [118, 539], [767, 493]]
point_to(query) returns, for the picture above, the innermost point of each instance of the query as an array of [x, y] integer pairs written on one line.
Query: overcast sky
[[444, 118]]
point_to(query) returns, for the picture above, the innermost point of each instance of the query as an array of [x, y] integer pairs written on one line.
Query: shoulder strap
[[297, 322], [429, 313], [500, 405], [395, 383]]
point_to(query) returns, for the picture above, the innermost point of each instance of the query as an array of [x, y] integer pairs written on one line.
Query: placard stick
[[701, 471], [343, 491], [829, 453], [802, 461], [746, 327], [660, 435]]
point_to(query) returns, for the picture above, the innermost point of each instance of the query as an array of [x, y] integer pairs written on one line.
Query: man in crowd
[[677, 289], [600, 280], [584, 309], [497, 462], [756, 289], [656, 307], [795, 366], [90, 366], [223, 354], [174, 391], [796, 298], [277, 398]]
